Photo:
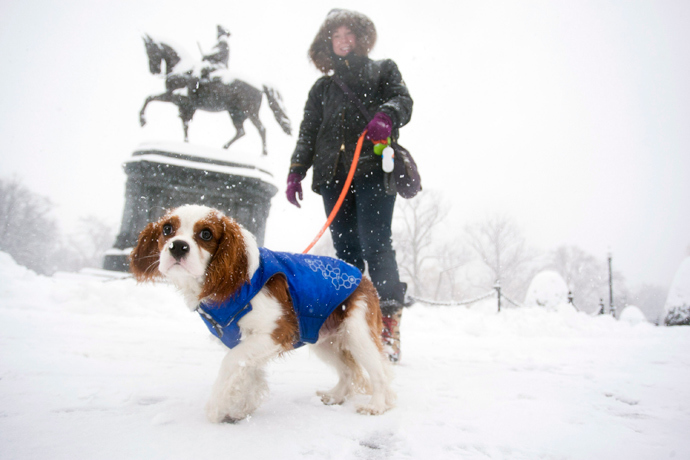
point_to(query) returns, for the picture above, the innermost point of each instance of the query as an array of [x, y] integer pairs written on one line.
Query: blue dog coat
[[317, 285]]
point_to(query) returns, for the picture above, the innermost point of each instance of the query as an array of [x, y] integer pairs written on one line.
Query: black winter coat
[[332, 123]]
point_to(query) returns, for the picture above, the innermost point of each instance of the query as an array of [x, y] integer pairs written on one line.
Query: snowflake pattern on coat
[[330, 272]]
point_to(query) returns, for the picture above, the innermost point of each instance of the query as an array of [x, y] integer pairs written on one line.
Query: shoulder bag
[[405, 178]]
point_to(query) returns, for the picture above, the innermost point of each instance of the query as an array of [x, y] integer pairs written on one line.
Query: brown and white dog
[[209, 256]]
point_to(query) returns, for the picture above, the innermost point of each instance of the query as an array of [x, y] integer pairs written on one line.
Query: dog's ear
[[227, 271], [144, 259]]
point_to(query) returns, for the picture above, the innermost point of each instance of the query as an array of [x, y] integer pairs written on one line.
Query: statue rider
[[219, 58]]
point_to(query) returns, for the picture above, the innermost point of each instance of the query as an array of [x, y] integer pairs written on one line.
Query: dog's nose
[[178, 249]]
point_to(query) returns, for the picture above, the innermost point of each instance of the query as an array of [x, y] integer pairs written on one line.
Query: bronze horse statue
[[206, 92]]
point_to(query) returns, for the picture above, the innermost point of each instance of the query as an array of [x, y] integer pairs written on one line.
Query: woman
[[328, 136]]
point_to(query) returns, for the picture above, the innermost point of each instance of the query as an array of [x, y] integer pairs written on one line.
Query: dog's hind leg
[[357, 339], [350, 377]]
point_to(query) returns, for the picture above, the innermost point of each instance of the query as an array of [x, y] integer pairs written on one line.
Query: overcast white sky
[[572, 117]]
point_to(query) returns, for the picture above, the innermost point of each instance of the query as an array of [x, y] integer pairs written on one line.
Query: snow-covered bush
[[632, 315], [548, 289], [677, 308]]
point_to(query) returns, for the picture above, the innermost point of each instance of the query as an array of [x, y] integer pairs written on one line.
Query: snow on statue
[[677, 308], [547, 289]]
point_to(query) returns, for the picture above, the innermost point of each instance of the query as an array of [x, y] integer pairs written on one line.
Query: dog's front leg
[[241, 384]]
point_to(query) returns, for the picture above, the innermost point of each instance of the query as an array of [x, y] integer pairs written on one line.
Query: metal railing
[[496, 291]]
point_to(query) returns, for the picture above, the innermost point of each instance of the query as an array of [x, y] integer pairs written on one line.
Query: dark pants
[[361, 231]]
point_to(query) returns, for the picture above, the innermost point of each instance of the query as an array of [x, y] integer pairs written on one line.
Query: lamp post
[[497, 286], [612, 308]]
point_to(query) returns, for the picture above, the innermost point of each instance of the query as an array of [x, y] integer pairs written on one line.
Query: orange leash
[[346, 187]]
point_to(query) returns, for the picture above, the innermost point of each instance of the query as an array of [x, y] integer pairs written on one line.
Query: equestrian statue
[[210, 87]]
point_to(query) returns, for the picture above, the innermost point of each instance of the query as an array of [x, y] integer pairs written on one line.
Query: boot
[[391, 312], [391, 335]]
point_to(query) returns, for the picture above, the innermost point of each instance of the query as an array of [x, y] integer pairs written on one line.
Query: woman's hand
[[294, 189], [379, 128]]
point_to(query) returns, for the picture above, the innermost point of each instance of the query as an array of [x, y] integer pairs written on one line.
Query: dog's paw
[[372, 409], [214, 415], [330, 399], [218, 414]]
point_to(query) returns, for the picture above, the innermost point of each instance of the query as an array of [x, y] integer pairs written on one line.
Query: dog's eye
[[206, 235], [167, 230]]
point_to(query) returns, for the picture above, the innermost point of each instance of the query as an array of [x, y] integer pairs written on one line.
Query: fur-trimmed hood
[[321, 49]]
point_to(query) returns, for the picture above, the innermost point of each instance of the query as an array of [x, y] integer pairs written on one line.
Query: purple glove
[[379, 128], [294, 189]]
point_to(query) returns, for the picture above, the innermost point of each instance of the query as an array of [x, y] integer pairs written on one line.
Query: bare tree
[[451, 258], [418, 218], [27, 232], [500, 245], [30, 234], [86, 247], [586, 277]]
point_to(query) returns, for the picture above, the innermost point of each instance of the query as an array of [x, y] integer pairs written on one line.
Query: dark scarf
[[350, 69]]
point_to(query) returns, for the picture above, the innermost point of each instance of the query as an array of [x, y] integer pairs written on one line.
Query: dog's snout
[[178, 249]]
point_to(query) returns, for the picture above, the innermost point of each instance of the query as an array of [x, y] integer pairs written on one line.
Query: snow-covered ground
[[106, 369]]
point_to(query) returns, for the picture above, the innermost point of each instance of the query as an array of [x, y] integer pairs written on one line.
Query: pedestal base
[[159, 179]]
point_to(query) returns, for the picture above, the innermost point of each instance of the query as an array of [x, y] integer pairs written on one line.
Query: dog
[[262, 304]]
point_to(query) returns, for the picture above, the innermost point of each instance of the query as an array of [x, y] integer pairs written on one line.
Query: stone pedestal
[[161, 177]]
